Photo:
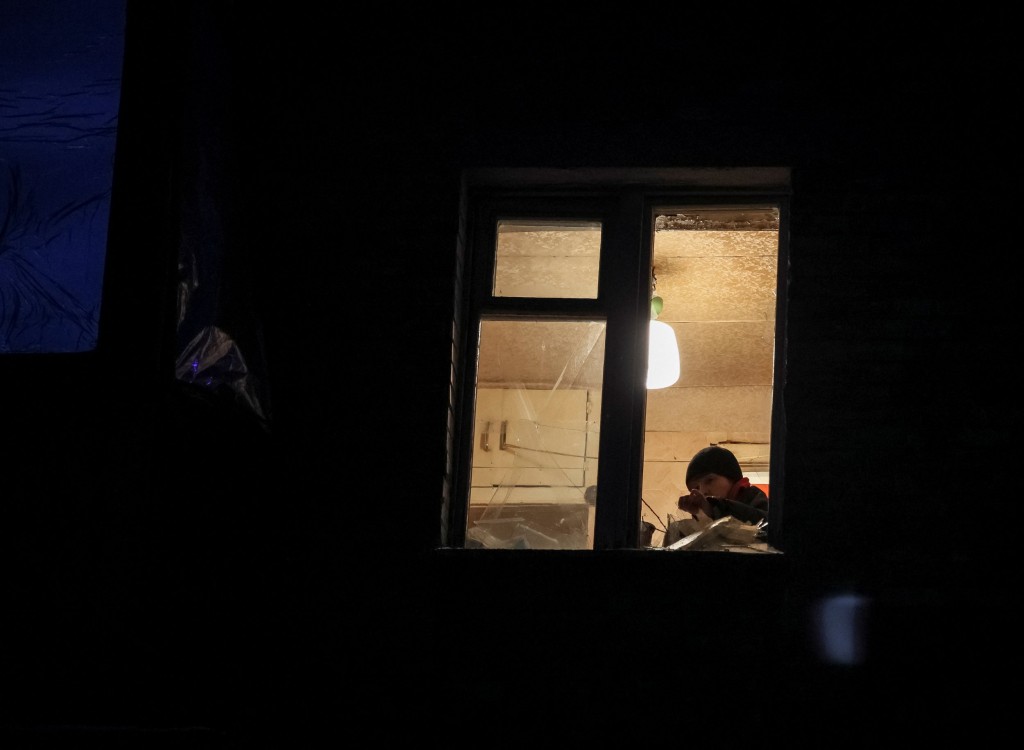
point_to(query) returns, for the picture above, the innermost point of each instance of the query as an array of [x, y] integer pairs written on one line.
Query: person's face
[[711, 485]]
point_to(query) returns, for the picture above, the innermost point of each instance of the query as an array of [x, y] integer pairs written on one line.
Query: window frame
[[625, 203]]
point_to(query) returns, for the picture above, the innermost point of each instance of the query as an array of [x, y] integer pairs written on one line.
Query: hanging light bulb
[[662, 356], [662, 349]]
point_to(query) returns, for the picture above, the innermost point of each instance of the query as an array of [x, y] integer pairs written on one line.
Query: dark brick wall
[[175, 564]]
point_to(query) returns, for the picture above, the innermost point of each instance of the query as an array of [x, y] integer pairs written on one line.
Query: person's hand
[[694, 502]]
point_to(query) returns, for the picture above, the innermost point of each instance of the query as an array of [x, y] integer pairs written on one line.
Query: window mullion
[[625, 296]]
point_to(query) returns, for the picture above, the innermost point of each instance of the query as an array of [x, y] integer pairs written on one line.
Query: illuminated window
[[557, 442], [62, 85]]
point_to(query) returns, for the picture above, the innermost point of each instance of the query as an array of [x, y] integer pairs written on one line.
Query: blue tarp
[[60, 82]]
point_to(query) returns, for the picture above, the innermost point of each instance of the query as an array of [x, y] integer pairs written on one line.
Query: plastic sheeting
[[213, 360], [537, 429], [60, 87], [60, 73], [219, 336]]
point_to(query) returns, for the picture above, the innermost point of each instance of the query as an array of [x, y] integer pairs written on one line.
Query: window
[[62, 77], [715, 267], [558, 442]]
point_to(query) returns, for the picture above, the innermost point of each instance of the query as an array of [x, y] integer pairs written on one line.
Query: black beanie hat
[[714, 460]]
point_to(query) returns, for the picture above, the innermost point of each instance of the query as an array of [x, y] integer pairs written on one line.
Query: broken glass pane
[[537, 428]]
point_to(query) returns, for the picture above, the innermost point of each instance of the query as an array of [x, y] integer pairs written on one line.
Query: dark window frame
[[625, 202]]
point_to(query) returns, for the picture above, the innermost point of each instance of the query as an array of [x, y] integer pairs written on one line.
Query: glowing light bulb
[[662, 356]]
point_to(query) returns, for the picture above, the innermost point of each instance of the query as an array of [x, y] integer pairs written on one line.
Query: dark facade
[[178, 563]]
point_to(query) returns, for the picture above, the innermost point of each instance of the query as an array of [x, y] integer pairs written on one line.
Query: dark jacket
[[748, 504]]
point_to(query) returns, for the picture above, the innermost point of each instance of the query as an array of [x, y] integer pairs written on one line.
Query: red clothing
[[745, 502]]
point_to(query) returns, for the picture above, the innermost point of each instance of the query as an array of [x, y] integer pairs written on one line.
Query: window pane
[[547, 259], [537, 429], [715, 269], [62, 90]]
